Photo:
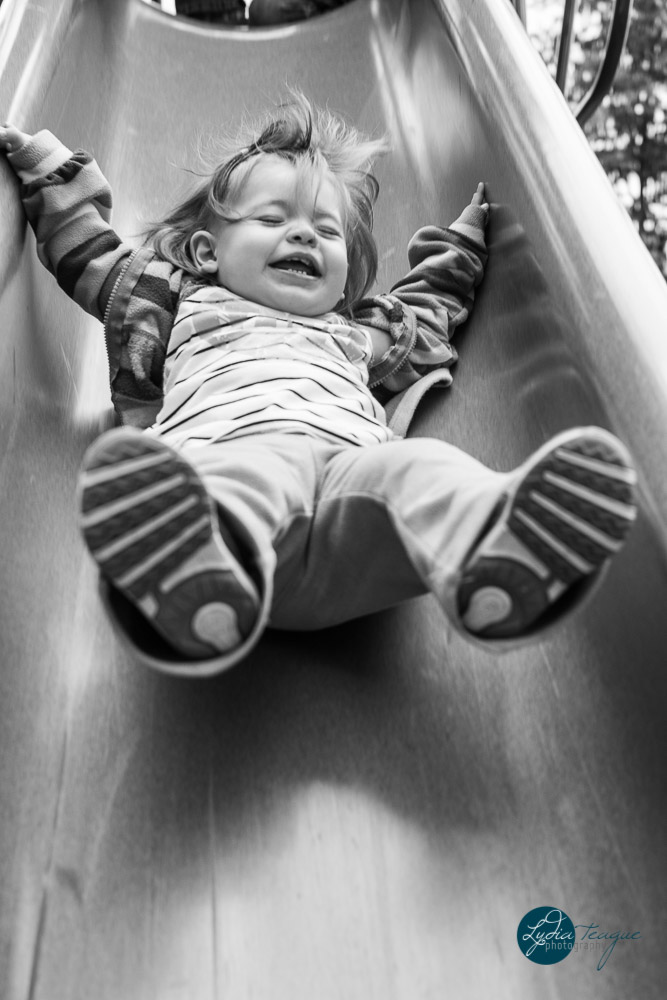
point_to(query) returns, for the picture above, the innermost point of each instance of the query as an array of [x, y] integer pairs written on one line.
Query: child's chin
[[307, 309], [302, 305]]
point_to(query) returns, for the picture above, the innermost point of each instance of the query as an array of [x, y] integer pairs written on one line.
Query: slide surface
[[366, 813]]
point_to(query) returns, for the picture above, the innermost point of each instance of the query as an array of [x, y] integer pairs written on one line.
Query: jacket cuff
[[40, 156], [472, 224], [387, 313]]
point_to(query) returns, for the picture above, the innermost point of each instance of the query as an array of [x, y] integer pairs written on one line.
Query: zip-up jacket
[[135, 293]]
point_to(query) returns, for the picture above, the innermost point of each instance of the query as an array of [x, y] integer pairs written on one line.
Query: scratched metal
[[370, 812]]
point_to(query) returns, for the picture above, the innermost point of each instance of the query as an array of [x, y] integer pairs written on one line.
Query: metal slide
[[366, 813]]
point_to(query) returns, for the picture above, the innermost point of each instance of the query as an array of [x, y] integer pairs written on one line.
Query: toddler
[[256, 479]]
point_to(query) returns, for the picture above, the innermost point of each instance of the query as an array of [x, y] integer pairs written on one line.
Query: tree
[[629, 131]]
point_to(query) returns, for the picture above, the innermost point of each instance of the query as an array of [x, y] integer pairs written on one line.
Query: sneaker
[[153, 530], [568, 512]]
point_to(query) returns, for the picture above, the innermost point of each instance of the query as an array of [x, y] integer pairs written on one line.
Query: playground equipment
[[366, 813]]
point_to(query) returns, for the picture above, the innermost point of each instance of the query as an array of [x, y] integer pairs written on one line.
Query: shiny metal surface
[[366, 813]]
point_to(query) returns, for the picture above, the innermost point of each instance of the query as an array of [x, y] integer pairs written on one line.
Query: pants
[[335, 532]]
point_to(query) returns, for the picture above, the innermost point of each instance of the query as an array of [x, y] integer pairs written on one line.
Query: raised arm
[[446, 267], [412, 326], [68, 203], [134, 292]]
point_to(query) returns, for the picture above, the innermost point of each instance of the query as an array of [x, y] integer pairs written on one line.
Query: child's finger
[[11, 138], [478, 196]]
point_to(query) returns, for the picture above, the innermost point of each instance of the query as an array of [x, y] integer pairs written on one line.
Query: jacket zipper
[[107, 311], [117, 282]]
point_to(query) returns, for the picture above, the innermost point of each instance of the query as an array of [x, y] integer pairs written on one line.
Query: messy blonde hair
[[315, 141]]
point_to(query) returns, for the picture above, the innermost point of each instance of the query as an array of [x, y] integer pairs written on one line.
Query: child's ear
[[202, 249]]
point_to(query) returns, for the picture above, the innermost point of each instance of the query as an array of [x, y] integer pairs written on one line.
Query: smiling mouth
[[298, 265]]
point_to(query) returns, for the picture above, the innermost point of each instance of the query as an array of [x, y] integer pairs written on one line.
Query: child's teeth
[[298, 267]]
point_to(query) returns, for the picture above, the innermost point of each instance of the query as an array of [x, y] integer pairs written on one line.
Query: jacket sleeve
[[423, 309], [67, 201], [68, 204]]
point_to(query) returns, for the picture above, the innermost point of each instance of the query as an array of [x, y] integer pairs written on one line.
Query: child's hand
[[12, 138], [478, 198], [474, 218]]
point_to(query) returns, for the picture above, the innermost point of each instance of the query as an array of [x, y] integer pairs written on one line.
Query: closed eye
[[271, 220], [327, 231]]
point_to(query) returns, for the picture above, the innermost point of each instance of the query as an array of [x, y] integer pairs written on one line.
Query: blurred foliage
[[629, 131]]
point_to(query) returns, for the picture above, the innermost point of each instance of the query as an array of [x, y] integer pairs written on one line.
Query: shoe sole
[[568, 514], [151, 527]]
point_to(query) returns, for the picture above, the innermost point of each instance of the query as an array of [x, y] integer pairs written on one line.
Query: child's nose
[[303, 231]]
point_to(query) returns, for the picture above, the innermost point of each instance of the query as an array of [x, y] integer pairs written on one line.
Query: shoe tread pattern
[[600, 466], [225, 584], [115, 527], [614, 526]]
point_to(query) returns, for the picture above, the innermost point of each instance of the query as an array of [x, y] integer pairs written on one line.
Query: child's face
[[288, 250]]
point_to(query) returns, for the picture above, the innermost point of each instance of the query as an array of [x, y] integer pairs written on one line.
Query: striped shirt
[[235, 368]]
